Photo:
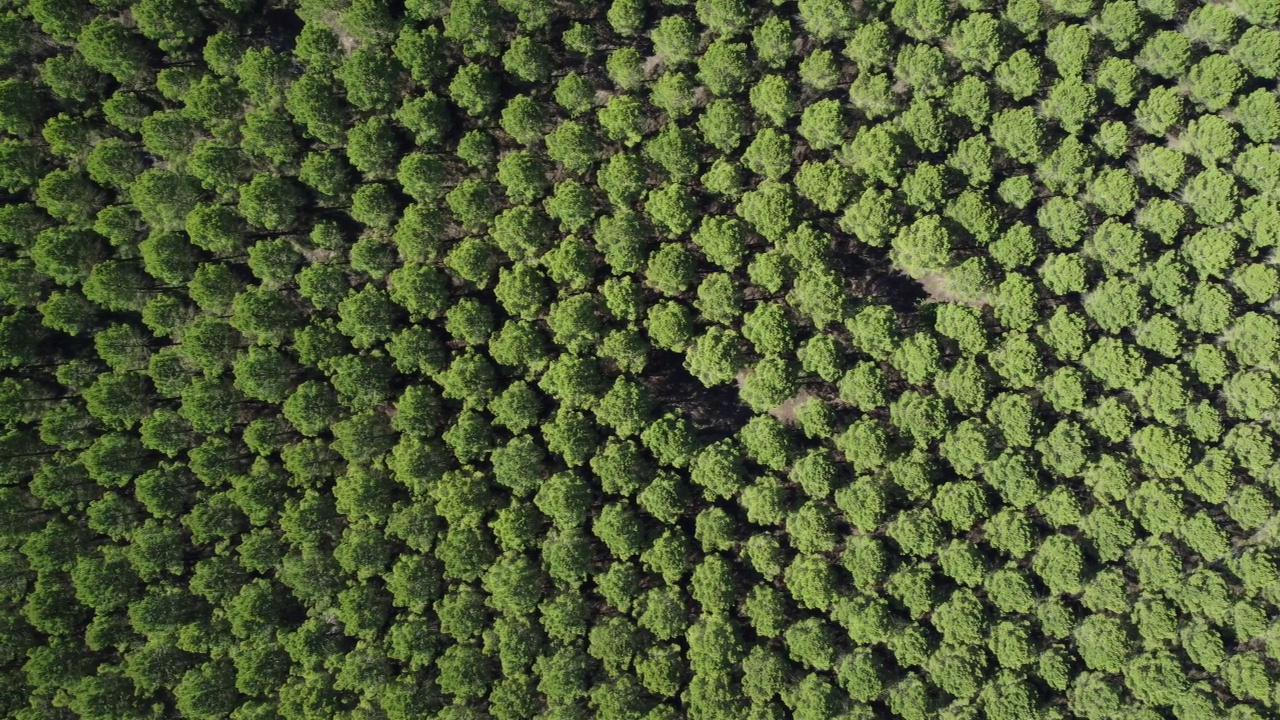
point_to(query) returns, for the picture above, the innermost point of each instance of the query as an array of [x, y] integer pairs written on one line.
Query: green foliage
[[706, 359], [1019, 133]]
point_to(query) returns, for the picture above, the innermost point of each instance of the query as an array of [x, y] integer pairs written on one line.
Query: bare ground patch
[[938, 288], [786, 412]]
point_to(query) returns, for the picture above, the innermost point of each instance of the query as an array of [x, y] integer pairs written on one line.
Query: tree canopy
[[638, 360]]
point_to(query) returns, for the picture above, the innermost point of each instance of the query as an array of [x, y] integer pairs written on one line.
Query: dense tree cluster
[[639, 359]]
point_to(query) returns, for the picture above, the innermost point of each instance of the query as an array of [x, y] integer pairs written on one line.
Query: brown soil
[[938, 289], [786, 412]]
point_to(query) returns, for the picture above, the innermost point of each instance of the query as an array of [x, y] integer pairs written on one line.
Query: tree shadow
[[717, 412], [872, 277]]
